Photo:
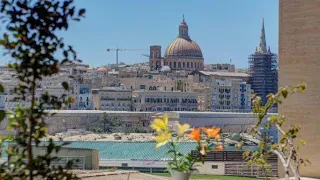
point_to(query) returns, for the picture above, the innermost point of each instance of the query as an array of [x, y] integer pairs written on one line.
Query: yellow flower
[[182, 128], [162, 138], [160, 124]]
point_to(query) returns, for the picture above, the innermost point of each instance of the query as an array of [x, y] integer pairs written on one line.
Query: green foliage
[[181, 162], [31, 39], [109, 121], [180, 85], [286, 149]]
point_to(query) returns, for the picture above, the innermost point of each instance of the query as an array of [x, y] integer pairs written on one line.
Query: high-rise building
[[263, 69]]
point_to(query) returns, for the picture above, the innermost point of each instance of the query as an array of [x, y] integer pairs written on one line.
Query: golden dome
[[183, 48]]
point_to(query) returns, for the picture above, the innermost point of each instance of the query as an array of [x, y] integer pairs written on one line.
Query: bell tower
[[155, 57]]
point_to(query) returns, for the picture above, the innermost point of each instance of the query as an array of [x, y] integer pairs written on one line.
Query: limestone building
[[164, 101], [181, 54], [231, 95], [228, 91], [112, 98], [299, 44]]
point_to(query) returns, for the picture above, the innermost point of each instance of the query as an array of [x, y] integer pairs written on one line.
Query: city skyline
[[138, 25]]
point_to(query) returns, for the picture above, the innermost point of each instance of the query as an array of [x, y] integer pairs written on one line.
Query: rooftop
[[230, 74]]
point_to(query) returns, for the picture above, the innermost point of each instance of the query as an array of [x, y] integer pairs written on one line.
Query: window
[[142, 86], [187, 64], [179, 64], [174, 64], [124, 164], [183, 64], [191, 64]]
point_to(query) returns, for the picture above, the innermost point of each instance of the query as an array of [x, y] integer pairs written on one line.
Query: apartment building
[[144, 100], [231, 95], [116, 98]]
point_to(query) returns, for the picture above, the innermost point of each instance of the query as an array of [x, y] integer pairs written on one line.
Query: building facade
[[263, 69], [231, 95], [182, 54], [229, 91], [299, 44], [164, 101], [151, 84], [112, 98], [222, 67]]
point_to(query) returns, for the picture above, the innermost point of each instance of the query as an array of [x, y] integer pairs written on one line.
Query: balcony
[[108, 99], [123, 99]]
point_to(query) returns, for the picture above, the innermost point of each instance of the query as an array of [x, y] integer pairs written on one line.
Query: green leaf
[[2, 114], [303, 87], [65, 85], [65, 53], [76, 19], [1, 89], [284, 93], [81, 12]]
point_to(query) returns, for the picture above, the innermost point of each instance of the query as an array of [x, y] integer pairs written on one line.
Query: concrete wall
[[91, 156], [299, 53], [217, 168], [206, 168]]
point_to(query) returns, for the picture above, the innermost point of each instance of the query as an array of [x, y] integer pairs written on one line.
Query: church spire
[[263, 45]]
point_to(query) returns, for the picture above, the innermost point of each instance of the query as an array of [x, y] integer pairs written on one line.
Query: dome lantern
[[183, 29]]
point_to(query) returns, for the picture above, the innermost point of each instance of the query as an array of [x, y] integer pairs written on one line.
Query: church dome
[[183, 47], [102, 70]]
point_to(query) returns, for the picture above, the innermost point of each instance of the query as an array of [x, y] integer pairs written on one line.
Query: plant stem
[[31, 121]]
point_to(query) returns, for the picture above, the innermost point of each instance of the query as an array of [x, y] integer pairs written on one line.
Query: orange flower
[[218, 148], [218, 136], [195, 134], [212, 132]]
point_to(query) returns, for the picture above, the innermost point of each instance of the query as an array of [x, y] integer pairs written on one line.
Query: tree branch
[[279, 128]]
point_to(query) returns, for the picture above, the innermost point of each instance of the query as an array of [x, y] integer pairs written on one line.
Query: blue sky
[[224, 29]]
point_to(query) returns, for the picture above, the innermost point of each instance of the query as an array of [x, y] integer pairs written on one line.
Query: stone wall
[[299, 53], [83, 119], [230, 122], [78, 119]]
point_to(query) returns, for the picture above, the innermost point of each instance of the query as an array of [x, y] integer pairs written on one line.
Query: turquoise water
[[129, 150]]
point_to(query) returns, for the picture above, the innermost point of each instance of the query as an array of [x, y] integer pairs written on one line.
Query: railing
[[233, 156], [236, 165], [242, 169]]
